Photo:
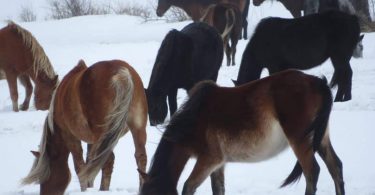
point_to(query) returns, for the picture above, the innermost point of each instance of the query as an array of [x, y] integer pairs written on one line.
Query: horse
[[196, 8], [312, 6], [264, 117], [303, 43], [97, 105], [22, 57], [226, 18], [184, 58]]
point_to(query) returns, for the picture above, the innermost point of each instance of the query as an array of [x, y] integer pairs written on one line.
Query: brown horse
[[226, 18], [250, 123], [196, 8], [22, 57], [97, 105]]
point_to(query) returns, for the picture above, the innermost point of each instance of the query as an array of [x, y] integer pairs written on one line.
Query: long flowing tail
[[40, 170], [116, 122], [318, 127], [230, 17]]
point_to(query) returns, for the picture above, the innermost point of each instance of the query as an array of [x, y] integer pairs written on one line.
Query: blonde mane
[[41, 62]]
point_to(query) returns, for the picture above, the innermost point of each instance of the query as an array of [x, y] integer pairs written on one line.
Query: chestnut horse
[[250, 123], [226, 18], [22, 57], [97, 105], [196, 8]]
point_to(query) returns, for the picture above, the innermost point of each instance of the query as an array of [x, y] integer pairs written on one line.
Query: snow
[[95, 38]]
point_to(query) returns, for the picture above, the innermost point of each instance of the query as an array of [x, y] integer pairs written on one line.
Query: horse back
[[13, 53]]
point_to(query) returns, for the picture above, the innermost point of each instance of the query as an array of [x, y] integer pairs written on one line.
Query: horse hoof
[[24, 108]]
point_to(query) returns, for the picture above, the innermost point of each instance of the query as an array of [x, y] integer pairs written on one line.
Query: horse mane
[[166, 55], [40, 171], [41, 62]]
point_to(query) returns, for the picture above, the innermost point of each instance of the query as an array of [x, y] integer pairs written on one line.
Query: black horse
[[302, 43], [185, 57]]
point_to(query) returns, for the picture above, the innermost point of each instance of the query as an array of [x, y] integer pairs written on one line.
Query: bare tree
[[363, 11], [27, 14]]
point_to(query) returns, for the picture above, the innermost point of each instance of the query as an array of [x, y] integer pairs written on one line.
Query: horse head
[[157, 107], [163, 6], [358, 50], [43, 93]]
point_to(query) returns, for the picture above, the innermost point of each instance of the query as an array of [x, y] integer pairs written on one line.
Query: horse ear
[[361, 37], [144, 175], [82, 63], [235, 82], [56, 78], [35, 153]]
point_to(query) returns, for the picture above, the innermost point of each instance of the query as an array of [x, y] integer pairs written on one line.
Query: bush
[[27, 14], [69, 8]]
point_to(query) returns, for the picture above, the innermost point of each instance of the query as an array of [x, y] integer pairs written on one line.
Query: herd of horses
[[251, 122]]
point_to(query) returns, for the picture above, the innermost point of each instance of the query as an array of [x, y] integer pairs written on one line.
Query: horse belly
[[272, 142]]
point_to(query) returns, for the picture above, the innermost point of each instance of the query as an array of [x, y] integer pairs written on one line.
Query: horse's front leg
[[12, 83], [344, 80], [25, 80], [217, 182]]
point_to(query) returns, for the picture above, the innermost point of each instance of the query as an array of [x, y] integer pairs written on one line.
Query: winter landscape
[[129, 38]]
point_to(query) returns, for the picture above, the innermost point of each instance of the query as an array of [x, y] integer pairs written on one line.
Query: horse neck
[[41, 77], [168, 163]]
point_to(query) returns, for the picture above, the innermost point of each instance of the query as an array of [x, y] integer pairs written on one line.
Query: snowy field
[[95, 38]]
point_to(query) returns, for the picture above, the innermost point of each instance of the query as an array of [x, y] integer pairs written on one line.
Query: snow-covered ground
[[95, 38]]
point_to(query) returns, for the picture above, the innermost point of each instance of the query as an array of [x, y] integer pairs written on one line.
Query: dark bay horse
[[303, 43], [97, 105], [196, 8], [184, 58], [226, 18], [22, 57], [250, 123]]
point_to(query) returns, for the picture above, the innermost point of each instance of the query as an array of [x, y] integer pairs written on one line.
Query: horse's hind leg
[[75, 147], [333, 163], [204, 166], [228, 49], [90, 183], [217, 182], [310, 167], [25, 80], [12, 83], [139, 138], [107, 173]]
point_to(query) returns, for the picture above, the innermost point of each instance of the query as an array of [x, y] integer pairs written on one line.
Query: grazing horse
[[226, 18], [196, 8], [265, 116], [185, 57], [303, 43], [97, 105], [22, 57]]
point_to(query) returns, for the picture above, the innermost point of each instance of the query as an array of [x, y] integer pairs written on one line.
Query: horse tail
[[318, 127], [40, 170], [229, 13], [116, 124]]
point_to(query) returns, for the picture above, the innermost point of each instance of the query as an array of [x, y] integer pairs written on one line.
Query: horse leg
[[25, 81], [107, 173], [204, 166], [343, 76], [234, 42], [139, 138], [12, 83], [333, 163], [217, 182], [90, 183], [227, 49], [310, 167], [172, 100], [75, 147]]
